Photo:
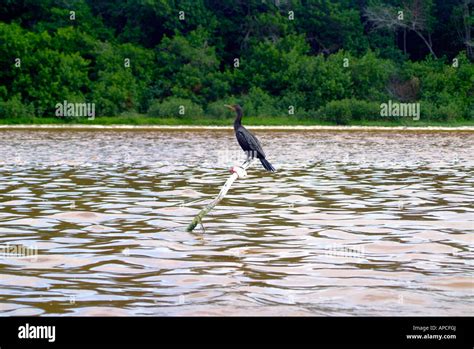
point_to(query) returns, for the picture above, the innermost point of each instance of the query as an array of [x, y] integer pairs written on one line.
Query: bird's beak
[[229, 106]]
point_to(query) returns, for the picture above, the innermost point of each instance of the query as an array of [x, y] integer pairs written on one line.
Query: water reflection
[[353, 223]]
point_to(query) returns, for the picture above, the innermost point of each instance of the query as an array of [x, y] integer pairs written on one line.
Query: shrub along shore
[[144, 120]]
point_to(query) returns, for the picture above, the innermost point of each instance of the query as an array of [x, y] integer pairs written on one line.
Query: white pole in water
[[237, 172]]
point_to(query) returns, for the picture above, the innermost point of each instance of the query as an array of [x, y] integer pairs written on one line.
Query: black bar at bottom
[[403, 332]]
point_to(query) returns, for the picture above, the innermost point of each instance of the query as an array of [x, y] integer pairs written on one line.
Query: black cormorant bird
[[248, 142]]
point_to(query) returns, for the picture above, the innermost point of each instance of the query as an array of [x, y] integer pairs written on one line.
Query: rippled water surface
[[353, 223]]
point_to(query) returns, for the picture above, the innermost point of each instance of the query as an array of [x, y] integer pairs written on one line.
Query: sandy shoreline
[[283, 128]]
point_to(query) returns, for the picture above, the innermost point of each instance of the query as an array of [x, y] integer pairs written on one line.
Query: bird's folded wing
[[251, 140]]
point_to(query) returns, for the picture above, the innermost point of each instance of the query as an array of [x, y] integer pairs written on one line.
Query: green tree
[[189, 68]]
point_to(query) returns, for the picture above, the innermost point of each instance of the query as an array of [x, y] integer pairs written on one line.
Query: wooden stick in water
[[237, 172]]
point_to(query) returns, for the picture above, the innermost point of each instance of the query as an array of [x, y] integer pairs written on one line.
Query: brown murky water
[[353, 223]]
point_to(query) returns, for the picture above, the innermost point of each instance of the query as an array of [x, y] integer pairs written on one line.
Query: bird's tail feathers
[[268, 166]]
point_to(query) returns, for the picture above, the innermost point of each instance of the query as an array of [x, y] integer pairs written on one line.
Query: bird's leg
[[249, 157], [247, 160]]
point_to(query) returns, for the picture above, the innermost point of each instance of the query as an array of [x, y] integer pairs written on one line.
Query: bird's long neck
[[238, 119]]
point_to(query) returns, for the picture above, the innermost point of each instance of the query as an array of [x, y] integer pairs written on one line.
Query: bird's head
[[235, 107], [238, 112]]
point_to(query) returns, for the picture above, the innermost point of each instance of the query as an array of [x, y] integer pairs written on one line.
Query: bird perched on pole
[[247, 141]]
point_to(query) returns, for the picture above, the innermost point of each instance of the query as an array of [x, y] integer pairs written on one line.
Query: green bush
[[259, 103], [449, 112], [14, 108], [442, 113], [446, 91], [343, 111], [175, 107], [296, 99], [369, 75], [428, 111], [363, 110], [338, 112], [470, 112]]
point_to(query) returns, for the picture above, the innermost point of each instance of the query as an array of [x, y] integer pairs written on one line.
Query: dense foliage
[[333, 61]]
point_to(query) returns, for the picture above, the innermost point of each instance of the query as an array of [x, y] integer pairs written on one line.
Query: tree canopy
[[321, 57]]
